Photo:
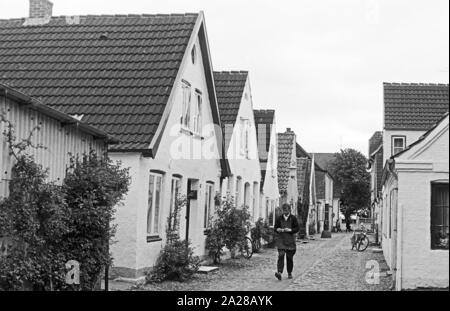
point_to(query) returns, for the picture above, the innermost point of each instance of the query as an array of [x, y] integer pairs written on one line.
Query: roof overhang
[[66, 119]]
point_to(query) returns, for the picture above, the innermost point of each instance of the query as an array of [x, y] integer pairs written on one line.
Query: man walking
[[286, 226]]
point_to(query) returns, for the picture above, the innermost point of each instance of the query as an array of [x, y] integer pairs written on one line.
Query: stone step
[[207, 269]]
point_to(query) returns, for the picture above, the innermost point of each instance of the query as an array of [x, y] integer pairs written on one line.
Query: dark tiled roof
[[286, 143], [229, 90], [412, 106], [36, 105], [118, 71], [320, 184], [324, 160], [375, 141], [303, 178], [379, 169], [263, 122], [301, 153]]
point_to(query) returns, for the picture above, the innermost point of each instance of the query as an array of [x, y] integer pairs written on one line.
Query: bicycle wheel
[[217, 258], [256, 245], [363, 244], [248, 248]]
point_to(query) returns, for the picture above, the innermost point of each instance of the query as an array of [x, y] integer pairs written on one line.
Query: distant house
[[333, 192], [148, 80], [375, 167], [414, 201], [416, 211], [306, 190], [324, 197], [61, 135], [268, 158], [287, 169], [410, 109], [234, 98]]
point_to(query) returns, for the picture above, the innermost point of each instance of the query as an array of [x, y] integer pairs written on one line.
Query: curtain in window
[[439, 216]]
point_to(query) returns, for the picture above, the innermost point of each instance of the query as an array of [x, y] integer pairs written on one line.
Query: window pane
[[439, 216], [150, 203], [157, 203], [398, 142]]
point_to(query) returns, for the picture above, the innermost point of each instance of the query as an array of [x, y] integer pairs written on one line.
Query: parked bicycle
[[360, 240], [247, 248]]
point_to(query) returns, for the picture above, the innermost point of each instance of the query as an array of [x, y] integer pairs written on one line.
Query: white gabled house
[[236, 113], [287, 169], [414, 218], [268, 157], [416, 211], [147, 80]]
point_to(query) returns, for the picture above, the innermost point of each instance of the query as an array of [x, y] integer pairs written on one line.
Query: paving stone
[[319, 265]]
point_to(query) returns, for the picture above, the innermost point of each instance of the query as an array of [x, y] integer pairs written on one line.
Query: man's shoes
[[278, 275], [289, 276]]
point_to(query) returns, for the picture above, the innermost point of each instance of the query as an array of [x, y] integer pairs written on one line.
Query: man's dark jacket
[[286, 240]]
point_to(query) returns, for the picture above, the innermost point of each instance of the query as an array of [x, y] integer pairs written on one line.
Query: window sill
[[440, 249], [153, 238]]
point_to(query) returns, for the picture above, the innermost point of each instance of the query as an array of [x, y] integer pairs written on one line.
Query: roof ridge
[[128, 15], [414, 84], [232, 71]]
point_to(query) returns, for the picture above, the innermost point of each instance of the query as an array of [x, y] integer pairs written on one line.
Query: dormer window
[[398, 144], [194, 54]]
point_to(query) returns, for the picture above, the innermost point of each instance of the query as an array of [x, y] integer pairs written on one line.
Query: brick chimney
[[40, 9]]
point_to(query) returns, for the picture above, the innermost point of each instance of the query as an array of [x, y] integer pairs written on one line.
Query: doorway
[[191, 204]]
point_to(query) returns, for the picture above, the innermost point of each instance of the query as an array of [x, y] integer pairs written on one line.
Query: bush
[[34, 217], [93, 186], [228, 229], [50, 225], [176, 260]]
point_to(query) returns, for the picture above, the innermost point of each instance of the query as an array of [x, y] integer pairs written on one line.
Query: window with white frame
[[197, 113], [209, 190], [439, 216], [186, 107], [244, 141], [174, 192], [398, 144], [154, 204]]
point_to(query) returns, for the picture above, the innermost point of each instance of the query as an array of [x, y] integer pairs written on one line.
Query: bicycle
[[359, 240], [246, 249]]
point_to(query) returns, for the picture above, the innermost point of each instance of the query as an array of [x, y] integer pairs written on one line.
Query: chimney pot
[[41, 9], [288, 129]]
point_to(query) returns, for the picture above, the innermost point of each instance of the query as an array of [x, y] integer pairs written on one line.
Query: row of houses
[[143, 88], [409, 163]]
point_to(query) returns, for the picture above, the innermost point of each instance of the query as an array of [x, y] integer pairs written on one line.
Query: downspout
[[398, 284], [391, 165]]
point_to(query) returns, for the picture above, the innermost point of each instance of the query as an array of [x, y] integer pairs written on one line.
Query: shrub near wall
[[50, 225], [229, 229]]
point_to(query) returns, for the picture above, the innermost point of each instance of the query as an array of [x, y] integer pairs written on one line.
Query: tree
[[349, 168]]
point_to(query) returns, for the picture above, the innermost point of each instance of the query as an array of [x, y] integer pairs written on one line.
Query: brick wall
[[40, 8]]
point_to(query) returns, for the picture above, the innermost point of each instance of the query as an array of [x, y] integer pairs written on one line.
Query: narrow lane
[[321, 264]]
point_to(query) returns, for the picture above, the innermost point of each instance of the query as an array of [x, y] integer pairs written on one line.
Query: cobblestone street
[[321, 264]]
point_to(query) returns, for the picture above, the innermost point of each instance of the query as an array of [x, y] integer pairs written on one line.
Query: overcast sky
[[319, 63]]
